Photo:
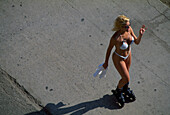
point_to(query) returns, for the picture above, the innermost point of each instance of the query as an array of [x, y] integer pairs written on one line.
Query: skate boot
[[128, 94], [119, 96]]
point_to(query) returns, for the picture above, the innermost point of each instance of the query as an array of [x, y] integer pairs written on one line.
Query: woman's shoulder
[[131, 30], [115, 36]]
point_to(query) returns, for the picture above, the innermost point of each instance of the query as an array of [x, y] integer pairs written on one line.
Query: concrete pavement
[[52, 49], [13, 100]]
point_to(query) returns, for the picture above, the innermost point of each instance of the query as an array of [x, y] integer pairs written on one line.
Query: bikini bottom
[[124, 57]]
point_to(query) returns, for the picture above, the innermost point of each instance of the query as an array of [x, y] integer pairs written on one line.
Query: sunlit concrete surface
[[52, 49]]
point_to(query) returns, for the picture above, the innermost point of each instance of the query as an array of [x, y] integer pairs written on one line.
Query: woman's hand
[[142, 30], [105, 65]]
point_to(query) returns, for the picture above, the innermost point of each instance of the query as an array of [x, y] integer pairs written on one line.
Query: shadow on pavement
[[108, 102]]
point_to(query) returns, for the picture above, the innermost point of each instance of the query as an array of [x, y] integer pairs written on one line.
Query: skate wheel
[[132, 98], [121, 104], [113, 91]]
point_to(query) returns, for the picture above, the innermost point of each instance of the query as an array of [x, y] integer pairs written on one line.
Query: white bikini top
[[125, 44]]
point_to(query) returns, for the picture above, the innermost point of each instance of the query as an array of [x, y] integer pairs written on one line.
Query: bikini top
[[125, 44]]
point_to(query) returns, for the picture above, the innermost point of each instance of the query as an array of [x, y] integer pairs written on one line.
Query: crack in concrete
[[158, 16], [163, 43], [161, 13], [4, 90]]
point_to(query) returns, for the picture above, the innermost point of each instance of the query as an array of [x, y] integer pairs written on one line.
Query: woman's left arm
[[141, 32]]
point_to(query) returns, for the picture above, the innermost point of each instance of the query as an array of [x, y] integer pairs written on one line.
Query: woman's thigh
[[121, 67], [128, 62]]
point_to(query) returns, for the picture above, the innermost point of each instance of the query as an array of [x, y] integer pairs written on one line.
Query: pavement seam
[[20, 89], [162, 13]]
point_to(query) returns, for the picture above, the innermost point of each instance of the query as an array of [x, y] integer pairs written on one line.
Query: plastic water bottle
[[100, 71]]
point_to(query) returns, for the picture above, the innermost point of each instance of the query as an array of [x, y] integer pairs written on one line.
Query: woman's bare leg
[[128, 62], [122, 69]]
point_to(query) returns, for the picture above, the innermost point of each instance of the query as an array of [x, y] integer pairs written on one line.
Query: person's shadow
[[107, 101]]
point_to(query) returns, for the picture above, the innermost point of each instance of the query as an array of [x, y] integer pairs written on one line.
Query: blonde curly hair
[[119, 22]]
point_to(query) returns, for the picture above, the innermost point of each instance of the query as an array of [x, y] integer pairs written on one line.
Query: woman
[[122, 40]]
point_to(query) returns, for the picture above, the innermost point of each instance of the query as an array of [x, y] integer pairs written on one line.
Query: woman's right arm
[[109, 49]]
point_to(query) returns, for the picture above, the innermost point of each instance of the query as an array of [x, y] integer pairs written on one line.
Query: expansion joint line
[[158, 10]]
